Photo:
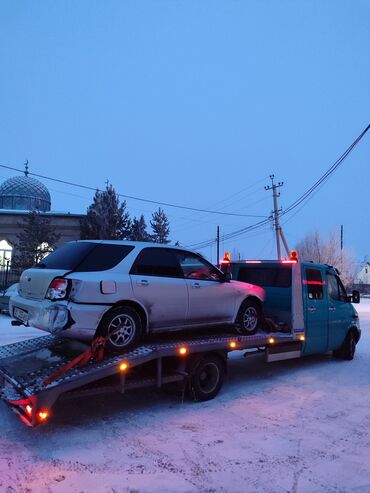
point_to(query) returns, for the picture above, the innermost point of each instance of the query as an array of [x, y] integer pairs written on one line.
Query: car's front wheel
[[122, 328], [249, 318]]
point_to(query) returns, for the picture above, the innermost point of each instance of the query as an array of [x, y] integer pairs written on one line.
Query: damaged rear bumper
[[64, 317]]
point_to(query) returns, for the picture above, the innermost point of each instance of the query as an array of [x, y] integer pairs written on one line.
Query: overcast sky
[[194, 103]]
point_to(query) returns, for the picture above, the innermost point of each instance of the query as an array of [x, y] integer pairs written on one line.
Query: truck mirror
[[356, 296]]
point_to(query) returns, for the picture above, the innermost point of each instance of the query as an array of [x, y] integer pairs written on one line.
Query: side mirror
[[227, 277], [356, 296]]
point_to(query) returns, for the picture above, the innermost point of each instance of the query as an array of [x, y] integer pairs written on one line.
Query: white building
[[363, 277]]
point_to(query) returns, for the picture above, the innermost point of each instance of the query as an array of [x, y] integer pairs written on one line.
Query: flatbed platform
[[25, 366]]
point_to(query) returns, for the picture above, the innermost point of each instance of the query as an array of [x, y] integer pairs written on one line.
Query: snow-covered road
[[296, 426]]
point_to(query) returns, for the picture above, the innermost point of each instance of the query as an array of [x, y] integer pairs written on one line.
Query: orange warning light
[[294, 255], [302, 338], [183, 350], [271, 340], [43, 415], [232, 344], [123, 366]]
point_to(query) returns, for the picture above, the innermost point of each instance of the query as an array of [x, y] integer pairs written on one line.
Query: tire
[[348, 348], [125, 323], [249, 318], [206, 377]]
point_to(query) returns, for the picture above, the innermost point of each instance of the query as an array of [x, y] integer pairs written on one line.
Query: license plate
[[21, 315]]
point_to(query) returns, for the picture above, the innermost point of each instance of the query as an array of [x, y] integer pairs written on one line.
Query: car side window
[[194, 267], [161, 262], [314, 284]]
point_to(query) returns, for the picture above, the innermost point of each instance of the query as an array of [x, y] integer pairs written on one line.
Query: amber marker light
[[302, 338], [271, 340], [232, 344], [123, 366], [43, 415], [183, 350]]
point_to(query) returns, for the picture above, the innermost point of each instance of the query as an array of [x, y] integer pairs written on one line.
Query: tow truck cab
[[305, 298]]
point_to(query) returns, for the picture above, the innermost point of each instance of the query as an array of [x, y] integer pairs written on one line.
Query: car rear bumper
[[67, 318]]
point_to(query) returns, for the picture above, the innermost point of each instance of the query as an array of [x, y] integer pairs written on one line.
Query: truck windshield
[[85, 257]]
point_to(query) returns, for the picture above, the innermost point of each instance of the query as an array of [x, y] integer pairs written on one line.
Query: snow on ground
[[293, 426]]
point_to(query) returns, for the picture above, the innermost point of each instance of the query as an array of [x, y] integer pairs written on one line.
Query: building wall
[[67, 225], [363, 277]]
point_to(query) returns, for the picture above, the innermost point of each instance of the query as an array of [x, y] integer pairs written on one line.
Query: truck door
[[316, 311], [339, 311]]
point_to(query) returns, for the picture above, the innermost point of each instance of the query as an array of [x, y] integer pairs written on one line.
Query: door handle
[[311, 309], [143, 282], [196, 285], [332, 309]]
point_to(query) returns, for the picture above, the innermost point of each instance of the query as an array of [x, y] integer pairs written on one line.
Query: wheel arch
[[253, 298], [136, 306], [355, 331]]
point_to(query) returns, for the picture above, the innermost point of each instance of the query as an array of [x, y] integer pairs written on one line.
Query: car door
[[316, 311], [210, 299], [338, 311], [158, 284]]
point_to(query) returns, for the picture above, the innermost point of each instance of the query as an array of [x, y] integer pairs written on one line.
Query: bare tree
[[327, 251]]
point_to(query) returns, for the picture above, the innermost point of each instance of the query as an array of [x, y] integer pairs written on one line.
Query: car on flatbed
[[123, 290]]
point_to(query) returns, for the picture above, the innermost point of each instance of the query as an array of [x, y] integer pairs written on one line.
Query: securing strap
[[93, 354]]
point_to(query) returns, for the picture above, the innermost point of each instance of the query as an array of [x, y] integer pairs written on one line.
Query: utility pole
[[341, 246], [218, 246], [278, 233]]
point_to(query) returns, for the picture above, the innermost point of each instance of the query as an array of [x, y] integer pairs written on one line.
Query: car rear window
[[267, 277], [85, 257]]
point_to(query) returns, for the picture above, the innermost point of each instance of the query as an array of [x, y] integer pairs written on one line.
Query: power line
[[305, 196], [166, 204]]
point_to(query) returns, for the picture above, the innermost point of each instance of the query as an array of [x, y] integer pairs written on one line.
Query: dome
[[24, 193]]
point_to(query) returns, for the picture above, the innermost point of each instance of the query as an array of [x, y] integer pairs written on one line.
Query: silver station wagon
[[124, 290]]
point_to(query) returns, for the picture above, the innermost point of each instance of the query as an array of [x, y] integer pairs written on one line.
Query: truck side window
[[314, 284], [333, 287], [342, 291]]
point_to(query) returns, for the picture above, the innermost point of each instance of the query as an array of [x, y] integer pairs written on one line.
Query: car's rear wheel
[[249, 318], [122, 328]]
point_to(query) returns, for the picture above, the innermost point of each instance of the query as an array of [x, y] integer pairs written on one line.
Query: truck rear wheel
[[207, 375]]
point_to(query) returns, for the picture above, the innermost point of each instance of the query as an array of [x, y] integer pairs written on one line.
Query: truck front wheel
[[348, 348]]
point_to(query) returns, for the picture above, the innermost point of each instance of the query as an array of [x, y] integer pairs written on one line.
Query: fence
[[8, 276]]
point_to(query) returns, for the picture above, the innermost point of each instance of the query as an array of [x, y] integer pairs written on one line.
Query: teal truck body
[[305, 299]]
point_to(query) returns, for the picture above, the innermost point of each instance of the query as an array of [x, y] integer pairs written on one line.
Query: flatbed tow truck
[[303, 316], [199, 363]]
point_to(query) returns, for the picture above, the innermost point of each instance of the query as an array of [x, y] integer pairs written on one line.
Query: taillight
[[57, 289]]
